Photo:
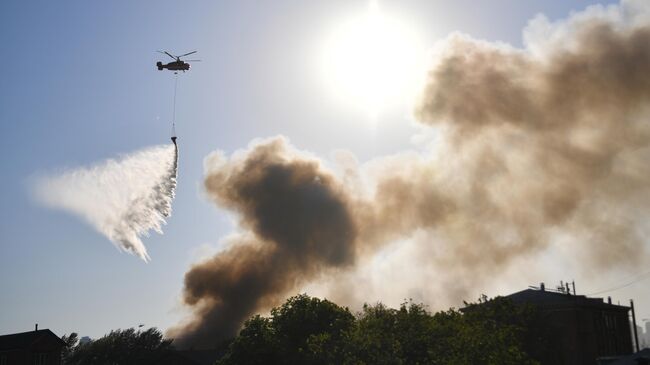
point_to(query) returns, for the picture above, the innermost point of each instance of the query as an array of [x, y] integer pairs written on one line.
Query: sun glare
[[372, 61]]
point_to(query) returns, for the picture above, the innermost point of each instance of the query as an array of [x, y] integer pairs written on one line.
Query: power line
[[636, 279]]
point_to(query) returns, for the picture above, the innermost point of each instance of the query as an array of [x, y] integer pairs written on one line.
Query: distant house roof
[[25, 339], [550, 298]]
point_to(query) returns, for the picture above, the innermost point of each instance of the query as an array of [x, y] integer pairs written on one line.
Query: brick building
[[579, 329]]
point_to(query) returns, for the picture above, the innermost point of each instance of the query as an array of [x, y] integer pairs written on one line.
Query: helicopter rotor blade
[[187, 54], [192, 60], [168, 54]]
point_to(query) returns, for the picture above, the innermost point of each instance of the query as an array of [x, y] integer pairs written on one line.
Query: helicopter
[[178, 64]]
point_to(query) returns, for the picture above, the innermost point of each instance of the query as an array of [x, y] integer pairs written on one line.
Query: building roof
[[25, 339], [551, 298]]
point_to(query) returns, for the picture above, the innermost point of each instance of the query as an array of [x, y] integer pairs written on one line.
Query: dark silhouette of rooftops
[[33, 347], [579, 330]]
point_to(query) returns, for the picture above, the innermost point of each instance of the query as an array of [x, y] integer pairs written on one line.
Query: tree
[[124, 347], [492, 331], [303, 330], [307, 330], [70, 342], [384, 335], [255, 345], [311, 331], [488, 332]]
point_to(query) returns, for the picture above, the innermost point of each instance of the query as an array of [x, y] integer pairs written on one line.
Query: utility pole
[[636, 335]]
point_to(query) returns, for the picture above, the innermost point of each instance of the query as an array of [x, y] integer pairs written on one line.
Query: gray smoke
[[123, 199], [535, 144], [555, 140]]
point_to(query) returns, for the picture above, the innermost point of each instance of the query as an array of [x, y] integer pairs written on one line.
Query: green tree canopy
[[307, 330], [123, 347], [303, 330]]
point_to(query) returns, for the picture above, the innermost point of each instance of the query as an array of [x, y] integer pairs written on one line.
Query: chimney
[[541, 287], [609, 300], [36, 327]]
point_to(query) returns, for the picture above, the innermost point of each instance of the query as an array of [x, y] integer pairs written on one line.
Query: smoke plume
[[534, 146], [123, 199], [298, 224]]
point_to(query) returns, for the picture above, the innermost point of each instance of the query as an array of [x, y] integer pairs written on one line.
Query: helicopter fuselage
[[174, 66]]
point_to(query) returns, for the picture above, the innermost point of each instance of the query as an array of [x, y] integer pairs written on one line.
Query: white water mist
[[122, 198]]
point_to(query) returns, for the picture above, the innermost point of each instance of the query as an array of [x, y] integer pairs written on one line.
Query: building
[[38, 347], [644, 339], [641, 336], [578, 330]]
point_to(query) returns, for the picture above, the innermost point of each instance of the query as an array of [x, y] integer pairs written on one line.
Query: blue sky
[[80, 85]]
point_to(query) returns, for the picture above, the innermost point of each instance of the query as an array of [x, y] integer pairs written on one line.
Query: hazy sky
[[80, 85]]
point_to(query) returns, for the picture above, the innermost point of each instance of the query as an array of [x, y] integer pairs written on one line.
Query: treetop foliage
[[313, 331], [306, 330], [123, 347]]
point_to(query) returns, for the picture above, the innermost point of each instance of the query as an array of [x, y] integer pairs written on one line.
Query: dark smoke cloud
[[536, 146], [299, 224]]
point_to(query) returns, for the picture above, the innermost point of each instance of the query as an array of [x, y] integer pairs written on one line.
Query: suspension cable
[[174, 110]]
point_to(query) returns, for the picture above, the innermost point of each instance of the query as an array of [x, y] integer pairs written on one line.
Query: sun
[[372, 61]]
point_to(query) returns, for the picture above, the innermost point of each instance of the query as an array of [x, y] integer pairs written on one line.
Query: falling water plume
[[121, 198]]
